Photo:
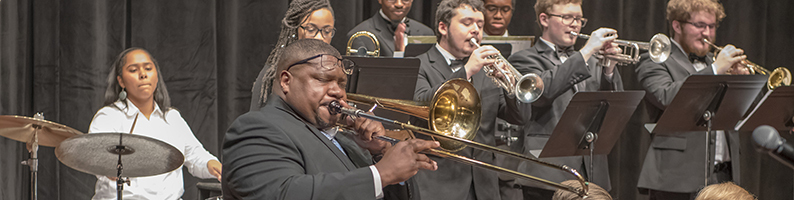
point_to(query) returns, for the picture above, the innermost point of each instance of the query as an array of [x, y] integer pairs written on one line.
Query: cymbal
[[97, 154], [21, 128]]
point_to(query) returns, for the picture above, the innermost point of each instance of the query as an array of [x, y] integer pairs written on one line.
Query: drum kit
[[100, 154]]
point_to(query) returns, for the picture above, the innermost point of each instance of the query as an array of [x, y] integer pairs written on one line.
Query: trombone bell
[[363, 51]]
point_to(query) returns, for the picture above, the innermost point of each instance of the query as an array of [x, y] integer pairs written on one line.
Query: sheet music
[[761, 102]]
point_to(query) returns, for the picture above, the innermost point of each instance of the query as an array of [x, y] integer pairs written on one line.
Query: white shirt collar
[[447, 56], [330, 133], [553, 47], [503, 35], [387, 17], [132, 110]]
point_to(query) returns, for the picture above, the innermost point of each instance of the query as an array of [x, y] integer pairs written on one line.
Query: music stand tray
[[603, 113], [776, 109], [727, 97]]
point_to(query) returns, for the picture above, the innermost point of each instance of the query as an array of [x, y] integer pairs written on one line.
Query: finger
[[421, 145], [427, 165], [365, 133]]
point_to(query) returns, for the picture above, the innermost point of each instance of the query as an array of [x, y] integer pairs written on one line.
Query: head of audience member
[[396, 9], [693, 20], [498, 14], [311, 75], [724, 191], [137, 73], [457, 21], [304, 19], [557, 18], [594, 192]]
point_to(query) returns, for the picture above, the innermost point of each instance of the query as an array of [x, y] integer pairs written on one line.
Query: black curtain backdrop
[[54, 58]]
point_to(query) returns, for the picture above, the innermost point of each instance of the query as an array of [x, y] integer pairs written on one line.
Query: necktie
[[693, 57], [336, 143]]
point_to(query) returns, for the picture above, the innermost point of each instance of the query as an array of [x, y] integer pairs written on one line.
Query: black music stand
[[414, 49], [776, 109], [393, 78], [581, 129], [708, 102]]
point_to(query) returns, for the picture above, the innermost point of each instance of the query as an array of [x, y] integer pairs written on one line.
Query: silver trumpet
[[658, 48], [527, 88]]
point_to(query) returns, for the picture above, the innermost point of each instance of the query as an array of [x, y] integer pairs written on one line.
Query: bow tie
[[457, 63], [693, 58], [567, 51]]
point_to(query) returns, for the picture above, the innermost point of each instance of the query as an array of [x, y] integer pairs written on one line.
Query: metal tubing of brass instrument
[[658, 48], [336, 107], [527, 88], [749, 65]]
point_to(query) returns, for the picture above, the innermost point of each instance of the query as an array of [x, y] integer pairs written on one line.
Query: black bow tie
[[693, 57], [457, 63], [567, 51]]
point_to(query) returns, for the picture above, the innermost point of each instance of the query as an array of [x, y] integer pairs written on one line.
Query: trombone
[[658, 48], [454, 117], [778, 77], [362, 51]]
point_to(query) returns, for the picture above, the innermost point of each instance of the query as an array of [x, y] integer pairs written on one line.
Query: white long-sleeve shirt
[[168, 127]]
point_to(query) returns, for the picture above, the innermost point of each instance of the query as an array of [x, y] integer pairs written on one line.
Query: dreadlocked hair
[[296, 13]]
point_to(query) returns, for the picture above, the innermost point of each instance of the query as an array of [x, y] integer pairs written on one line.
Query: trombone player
[[681, 174], [564, 72]]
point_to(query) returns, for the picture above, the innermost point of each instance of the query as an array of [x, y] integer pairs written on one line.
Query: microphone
[[767, 140]]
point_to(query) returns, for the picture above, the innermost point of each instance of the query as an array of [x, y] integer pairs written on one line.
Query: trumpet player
[[682, 174], [454, 56], [564, 71]]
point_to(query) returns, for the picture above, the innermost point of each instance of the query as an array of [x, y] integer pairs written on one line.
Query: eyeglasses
[[701, 25], [568, 19], [311, 29], [494, 9], [328, 62], [404, 1]]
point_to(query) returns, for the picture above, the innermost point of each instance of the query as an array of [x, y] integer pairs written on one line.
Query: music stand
[[415, 49], [393, 78], [708, 102], [775, 109], [581, 129]]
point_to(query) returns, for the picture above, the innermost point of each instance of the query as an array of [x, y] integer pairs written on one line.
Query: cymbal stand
[[33, 161]]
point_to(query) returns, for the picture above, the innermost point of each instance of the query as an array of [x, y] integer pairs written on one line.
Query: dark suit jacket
[[380, 27], [273, 154], [676, 163], [452, 180], [559, 79]]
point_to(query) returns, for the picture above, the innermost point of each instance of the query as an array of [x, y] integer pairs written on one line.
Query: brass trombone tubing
[[336, 107]]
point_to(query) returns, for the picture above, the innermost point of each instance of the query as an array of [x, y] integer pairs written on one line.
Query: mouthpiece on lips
[[334, 107]]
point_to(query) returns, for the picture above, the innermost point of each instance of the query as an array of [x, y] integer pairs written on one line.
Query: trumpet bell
[[659, 49], [779, 77], [455, 112], [529, 88]]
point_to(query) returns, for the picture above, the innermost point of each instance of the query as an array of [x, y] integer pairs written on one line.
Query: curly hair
[[543, 6], [296, 14], [113, 89], [446, 10], [680, 10]]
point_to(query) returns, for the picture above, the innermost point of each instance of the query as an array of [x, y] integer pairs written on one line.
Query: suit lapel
[[547, 52], [382, 28], [439, 63], [282, 105], [678, 56]]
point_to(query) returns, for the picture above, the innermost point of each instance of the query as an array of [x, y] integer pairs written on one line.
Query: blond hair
[[724, 191], [680, 10], [543, 6], [594, 192]]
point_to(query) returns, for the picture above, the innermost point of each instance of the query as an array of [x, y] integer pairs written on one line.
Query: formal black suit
[[385, 34], [274, 154], [559, 80], [676, 163], [453, 180]]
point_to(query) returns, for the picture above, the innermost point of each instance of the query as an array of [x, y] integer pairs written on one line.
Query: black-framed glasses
[[311, 29], [701, 25], [494, 9], [568, 19], [329, 62], [404, 1]]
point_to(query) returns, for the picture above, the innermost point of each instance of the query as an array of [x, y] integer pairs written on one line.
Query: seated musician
[[391, 26], [136, 90]]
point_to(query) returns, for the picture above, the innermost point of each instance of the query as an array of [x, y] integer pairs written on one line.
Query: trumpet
[[658, 48], [454, 117], [778, 77], [527, 88]]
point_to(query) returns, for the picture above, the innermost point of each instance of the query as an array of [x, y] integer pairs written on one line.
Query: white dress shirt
[[168, 127]]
